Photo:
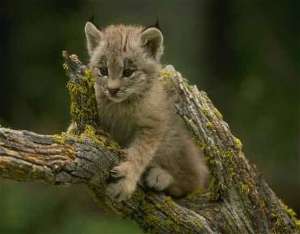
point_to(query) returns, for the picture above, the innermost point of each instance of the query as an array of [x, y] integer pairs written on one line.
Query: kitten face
[[124, 60]]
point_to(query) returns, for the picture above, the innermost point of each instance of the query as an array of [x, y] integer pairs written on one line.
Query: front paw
[[120, 171], [124, 182], [121, 190]]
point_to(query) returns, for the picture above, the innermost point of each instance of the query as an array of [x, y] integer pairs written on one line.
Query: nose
[[113, 91], [113, 86]]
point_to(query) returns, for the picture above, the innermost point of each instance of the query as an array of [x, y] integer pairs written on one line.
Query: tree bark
[[238, 199]]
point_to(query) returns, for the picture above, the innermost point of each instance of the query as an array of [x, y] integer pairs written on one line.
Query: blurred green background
[[245, 54]]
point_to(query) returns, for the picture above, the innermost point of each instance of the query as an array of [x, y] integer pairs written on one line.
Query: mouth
[[117, 98]]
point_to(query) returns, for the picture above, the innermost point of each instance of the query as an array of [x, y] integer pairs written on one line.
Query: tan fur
[[141, 116]]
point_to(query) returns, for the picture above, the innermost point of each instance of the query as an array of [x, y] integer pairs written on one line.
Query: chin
[[116, 99]]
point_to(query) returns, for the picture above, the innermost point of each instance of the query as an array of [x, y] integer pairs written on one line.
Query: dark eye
[[103, 71], [128, 72]]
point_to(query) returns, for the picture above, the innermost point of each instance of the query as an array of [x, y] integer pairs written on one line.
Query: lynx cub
[[134, 108]]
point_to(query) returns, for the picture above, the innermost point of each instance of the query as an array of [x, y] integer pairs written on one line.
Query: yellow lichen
[[238, 143], [196, 193], [218, 113], [292, 215], [297, 222], [166, 74], [65, 67], [209, 125], [88, 73], [90, 133], [244, 188], [60, 138]]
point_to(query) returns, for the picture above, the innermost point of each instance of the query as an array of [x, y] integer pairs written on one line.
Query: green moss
[[215, 189], [195, 194], [88, 74], [244, 188], [167, 74], [292, 215], [152, 215], [200, 144], [151, 219], [65, 67], [218, 184], [169, 201], [76, 88], [89, 77], [218, 113], [205, 111], [60, 138], [209, 125], [228, 154], [280, 224], [90, 132], [149, 211], [238, 143], [290, 211], [83, 106], [297, 222]]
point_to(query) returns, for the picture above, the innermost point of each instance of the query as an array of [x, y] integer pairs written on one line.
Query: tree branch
[[238, 201]]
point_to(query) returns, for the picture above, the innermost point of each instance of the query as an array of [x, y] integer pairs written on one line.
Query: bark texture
[[238, 199]]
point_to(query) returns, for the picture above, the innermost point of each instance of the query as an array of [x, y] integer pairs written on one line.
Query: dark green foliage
[[247, 55]]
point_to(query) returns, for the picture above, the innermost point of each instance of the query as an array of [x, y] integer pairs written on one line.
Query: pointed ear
[[93, 37], [152, 41]]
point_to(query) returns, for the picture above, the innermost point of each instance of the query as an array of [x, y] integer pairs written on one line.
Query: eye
[[103, 71], [128, 72]]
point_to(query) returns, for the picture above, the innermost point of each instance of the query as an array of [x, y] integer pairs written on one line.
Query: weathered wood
[[238, 199]]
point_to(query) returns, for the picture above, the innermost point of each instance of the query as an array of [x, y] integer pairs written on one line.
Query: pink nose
[[113, 91]]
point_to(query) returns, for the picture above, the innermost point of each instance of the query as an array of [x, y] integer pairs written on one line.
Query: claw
[[114, 177], [115, 173]]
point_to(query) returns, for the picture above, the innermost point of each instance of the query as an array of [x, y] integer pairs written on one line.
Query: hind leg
[[158, 178]]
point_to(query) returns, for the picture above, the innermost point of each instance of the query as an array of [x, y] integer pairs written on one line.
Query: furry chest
[[119, 124]]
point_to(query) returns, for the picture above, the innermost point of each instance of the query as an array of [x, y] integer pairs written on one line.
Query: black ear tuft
[[156, 25], [92, 20]]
